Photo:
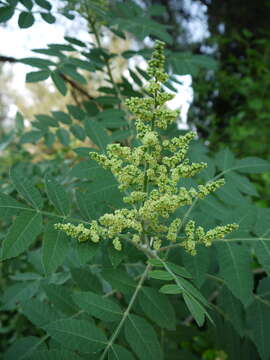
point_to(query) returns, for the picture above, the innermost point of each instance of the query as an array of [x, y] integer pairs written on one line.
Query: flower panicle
[[150, 175]]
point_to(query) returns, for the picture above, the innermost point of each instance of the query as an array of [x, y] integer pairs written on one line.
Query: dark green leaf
[[59, 82], [62, 116], [6, 13], [196, 309], [26, 188], [26, 19], [63, 136], [252, 165], [160, 274], [57, 195], [73, 74], [171, 289], [18, 294], [48, 17], [119, 280], [85, 279], [39, 313], [22, 234], [74, 41], [142, 338], [55, 248], [98, 306], [78, 132], [36, 76], [31, 136], [258, 320], [60, 296], [97, 133], [27, 3], [61, 354], [157, 307], [23, 348], [118, 352], [78, 335], [37, 62], [235, 269], [9, 206], [44, 4]]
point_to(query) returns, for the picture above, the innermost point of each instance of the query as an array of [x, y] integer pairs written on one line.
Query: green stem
[[126, 314]]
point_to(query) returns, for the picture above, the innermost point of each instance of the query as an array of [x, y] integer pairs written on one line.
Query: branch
[[126, 314], [64, 77]]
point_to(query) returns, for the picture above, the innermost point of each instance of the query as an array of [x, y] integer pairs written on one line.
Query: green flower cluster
[[149, 175]]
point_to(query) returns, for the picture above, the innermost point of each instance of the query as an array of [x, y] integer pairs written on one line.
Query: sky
[[19, 42]]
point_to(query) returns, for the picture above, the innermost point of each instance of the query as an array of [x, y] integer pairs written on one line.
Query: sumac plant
[[141, 244]]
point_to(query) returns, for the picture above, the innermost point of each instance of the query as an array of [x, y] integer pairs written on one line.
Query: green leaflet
[[118, 352], [24, 347], [56, 245], [233, 309], [235, 269], [39, 313], [22, 234], [59, 82], [36, 76], [26, 19], [142, 338], [195, 308], [9, 206], [61, 354], [157, 307], [96, 133], [119, 280], [252, 165], [224, 159], [19, 293], [26, 188], [258, 320], [160, 275], [197, 265], [61, 298], [98, 306], [57, 195], [77, 335], [86, 281], [171, 289]]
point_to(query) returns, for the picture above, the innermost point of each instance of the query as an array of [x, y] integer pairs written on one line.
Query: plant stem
[[126, 313]]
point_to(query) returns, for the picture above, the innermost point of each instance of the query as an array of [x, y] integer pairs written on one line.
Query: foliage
[[234, 108], [69, 300]]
